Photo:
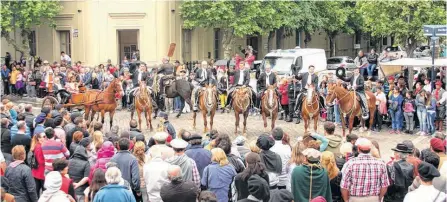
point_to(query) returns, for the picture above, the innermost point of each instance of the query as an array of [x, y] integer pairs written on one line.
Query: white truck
[[295, 61]]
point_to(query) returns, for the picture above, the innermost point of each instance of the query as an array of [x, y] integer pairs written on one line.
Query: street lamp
[[433, 74]]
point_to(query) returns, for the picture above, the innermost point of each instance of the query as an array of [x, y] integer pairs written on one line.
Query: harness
[[352, 108], [240, 104], [272, 103], [311, 113]]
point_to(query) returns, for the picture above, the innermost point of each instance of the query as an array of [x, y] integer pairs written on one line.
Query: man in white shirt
[[155, 172], [284, 151], [241, 78], [426, 191], [65, 57], [309, 81]]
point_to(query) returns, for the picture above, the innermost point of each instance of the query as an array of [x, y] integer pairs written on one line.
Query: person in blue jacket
[[113, 191], [395, 110]]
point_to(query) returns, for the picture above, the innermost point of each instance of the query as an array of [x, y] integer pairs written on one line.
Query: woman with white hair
[[113, 191], [53, 192]]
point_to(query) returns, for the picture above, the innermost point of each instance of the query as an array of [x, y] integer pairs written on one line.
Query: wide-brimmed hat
[[401, 147]]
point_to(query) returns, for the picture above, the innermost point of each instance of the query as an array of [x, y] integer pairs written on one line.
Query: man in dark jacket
[[178, 190], [21, 138], [79, 168], [196, 152], [293, 90], [29, 117], [79, 122], [128, 165], [241, 78], [6, 145], [358, 84], [266, 79], [203, 77], [165, 71], [400, 173], [137, 76], [309, 81]]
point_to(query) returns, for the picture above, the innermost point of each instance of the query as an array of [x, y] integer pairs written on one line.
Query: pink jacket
[[104, 155]]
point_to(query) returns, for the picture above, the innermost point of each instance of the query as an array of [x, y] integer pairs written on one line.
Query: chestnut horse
[[241, 102], [103, 101], [269, 106], [310, 109], [207, 104], [143, 104], [350, 105]]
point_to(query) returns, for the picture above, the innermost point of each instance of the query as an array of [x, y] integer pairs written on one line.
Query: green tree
[[402, 19], [23, 16], [307, 18], [236, 18]]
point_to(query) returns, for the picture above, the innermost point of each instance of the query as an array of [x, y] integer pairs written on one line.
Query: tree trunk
[[227, 42], [20, 46], [307, 38], [269, 40], [411, 45], [332, 44]]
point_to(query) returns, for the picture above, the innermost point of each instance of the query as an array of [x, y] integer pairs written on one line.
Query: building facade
[[95, 31]]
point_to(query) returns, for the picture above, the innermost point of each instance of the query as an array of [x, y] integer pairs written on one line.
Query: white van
[[295, 61]]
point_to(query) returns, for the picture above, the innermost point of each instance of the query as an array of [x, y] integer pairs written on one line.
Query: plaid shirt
[[195, 174], [364, 176]]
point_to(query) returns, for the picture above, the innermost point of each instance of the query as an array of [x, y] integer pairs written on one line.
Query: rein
[[314, 110], [341, 110]]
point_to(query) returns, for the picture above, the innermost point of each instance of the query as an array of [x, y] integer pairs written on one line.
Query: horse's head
[[116, 87], [210, 94], [271, 96]]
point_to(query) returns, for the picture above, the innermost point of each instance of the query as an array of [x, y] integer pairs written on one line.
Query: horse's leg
[[236, 124], [213, 112], [204, 113], [245, 122], [87, 113], [194, 115], [274, 116], [351, 123], [111, 114], [306, 122], [102, 116], [264, 118], [149, 118], [139, 118]]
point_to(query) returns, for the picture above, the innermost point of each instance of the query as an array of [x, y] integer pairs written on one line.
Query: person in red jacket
[[283, 87], [38, 172], [61, 165]]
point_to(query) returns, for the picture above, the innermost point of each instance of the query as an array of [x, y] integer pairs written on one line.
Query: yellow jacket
[[13, 78]]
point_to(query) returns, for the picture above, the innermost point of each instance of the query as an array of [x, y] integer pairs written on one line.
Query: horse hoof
[[178, 116]]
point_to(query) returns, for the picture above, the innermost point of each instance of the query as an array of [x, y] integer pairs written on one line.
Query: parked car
[[340, 61], [422, 51], [396, 52]]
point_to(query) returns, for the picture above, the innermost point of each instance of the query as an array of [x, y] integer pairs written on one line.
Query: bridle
[[209, 95], [340, 99], [271, 103]]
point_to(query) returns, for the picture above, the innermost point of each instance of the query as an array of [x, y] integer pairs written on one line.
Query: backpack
[[31, 160]]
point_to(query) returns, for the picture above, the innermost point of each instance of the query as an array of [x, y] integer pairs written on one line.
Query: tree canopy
[[402, 19], [23, 16]]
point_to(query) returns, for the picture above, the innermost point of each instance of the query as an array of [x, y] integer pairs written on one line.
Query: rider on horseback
[[357, 83], [266, 79], [203, 77], [166, 71], [241, 78], [309, 80], [137, 76]]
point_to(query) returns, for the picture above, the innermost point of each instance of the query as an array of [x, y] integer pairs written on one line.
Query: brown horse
[[207, 104], [241, 101], [269, 106], [350, 105], [143, 103], [310, 109], [103, 101]]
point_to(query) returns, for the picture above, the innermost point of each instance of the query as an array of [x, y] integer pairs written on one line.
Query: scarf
[[272, 161]]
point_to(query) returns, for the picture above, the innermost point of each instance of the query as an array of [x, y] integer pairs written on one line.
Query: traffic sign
[[438, 30]]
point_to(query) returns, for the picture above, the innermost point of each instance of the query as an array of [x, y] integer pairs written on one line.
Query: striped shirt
[[53, 149]]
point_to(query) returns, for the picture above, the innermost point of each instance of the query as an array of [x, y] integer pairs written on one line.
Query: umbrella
[[224, 63]]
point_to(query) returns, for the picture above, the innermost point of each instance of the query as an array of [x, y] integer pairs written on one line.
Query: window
[[65, 42], [186, 50], [385, 41], [216, 43], [32, 43], [392, 40], [298, 38]]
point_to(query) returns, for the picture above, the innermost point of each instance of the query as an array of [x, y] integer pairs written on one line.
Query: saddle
[[168, 80]]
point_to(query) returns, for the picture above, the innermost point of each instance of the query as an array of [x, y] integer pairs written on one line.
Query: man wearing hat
[[371, 181], [400, 172], [438, 146], [196, 152], [188, 166], [165, 71], [426, 191], [310, 179]]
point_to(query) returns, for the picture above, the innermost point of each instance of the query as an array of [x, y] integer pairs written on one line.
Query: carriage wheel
[[50, 102]]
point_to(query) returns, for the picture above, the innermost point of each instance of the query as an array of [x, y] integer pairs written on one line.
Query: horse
[[143, 103], [310, 109], [269, 106], [181, 88], [350, 105], [103, 101], [207, 104], [241, 101]]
